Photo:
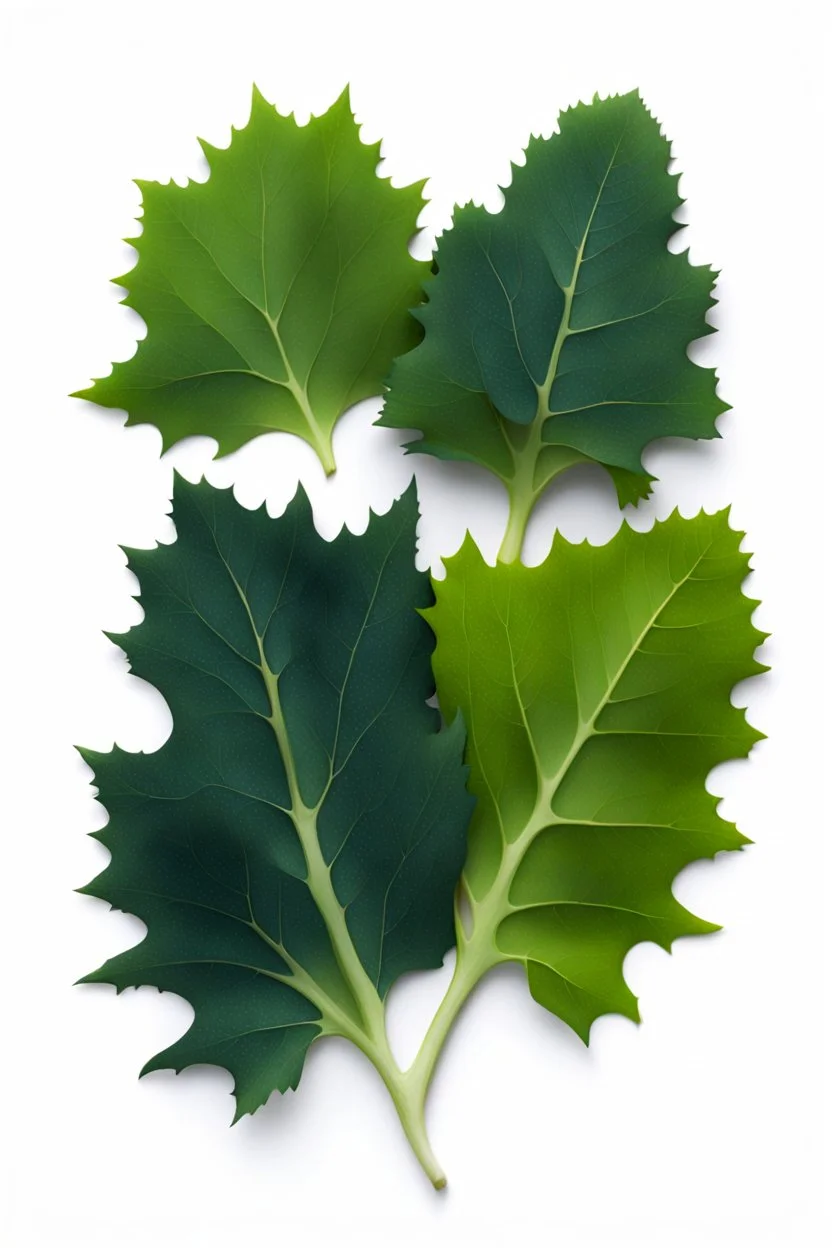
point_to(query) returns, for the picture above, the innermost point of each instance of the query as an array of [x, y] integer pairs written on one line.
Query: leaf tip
[[258, 100], [344, 99]]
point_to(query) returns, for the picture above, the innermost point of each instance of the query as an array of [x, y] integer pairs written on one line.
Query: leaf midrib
[[305, 821], [526, 455], [298, 391], [543, 816]]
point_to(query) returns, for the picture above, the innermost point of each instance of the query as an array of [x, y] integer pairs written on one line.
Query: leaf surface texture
[[597, 694], [557, 329], [303, 828], [276, 293]]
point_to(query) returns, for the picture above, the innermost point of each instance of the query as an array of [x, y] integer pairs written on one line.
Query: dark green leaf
[[557, 329], [294, 845]]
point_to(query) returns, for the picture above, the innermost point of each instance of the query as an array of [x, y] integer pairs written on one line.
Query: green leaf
[[557, 329], [597, 693], [294, 846], [276, 293]]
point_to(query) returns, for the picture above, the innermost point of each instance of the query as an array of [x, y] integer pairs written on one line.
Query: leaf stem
[[408, 1089], [322, 444], [477, 952], [471, 964], [525, 445], [521, 501], [318, 438], [408, 1096]]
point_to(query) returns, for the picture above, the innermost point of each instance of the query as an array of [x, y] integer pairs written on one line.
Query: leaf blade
[[596, 689], [303, 759], [564, 314], [275, 293]]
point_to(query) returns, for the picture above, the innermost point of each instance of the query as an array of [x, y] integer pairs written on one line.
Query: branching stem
[[363, 1023]]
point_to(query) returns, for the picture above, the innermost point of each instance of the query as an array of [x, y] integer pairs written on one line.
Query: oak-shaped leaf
[[596, 690], [556, 330], [276, 293], [294, 845]]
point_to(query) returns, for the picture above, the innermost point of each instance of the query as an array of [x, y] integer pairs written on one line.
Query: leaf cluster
[[314, 829]]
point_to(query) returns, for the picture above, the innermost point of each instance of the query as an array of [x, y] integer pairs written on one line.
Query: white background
[[704, 1126]]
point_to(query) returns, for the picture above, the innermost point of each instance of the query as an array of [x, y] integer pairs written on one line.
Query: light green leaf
[[596, 690], [557, 329], [294, 846], [276, 293]]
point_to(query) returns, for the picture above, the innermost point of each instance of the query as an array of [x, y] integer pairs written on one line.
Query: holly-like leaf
[[597, 694], [556, 330], [276, 293], [294, 846]]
